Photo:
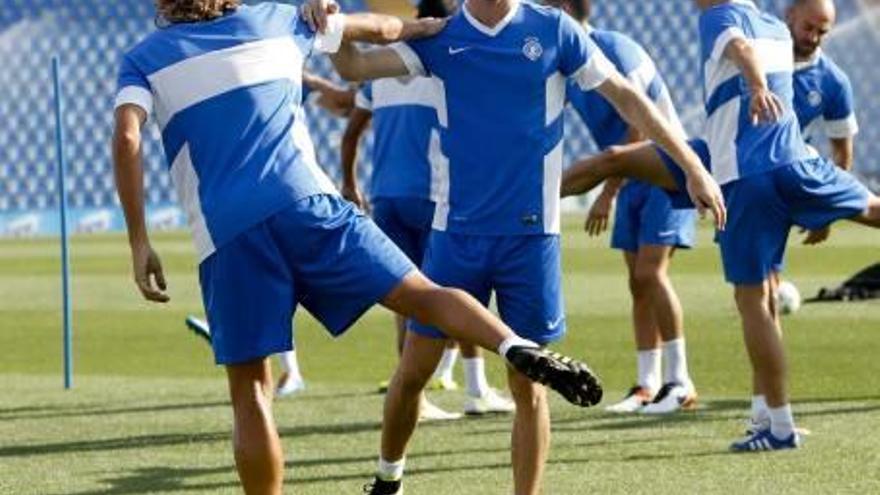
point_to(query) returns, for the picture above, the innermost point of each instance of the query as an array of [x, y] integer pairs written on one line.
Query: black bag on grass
[[863, 285]]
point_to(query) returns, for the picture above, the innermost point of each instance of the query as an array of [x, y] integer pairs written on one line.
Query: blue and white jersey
[[406, 138], [608, 127], [226, 95], [739, 148], [500, 115], [823, 99]]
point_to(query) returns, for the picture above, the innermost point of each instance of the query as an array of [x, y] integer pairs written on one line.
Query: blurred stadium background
[[90, 36]]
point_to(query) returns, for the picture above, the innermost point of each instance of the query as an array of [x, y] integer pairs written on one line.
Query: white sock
[[390, 471], [290, 365], [760, 415], [676, 362], [447, 362], [475, 376], [514, 341], [781, 421], [649, 369]]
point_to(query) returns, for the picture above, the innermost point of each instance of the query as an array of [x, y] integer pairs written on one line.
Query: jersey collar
[[497, 28], [810, 62]]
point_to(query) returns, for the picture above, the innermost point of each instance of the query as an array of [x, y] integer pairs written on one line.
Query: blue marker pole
[[62, 202]]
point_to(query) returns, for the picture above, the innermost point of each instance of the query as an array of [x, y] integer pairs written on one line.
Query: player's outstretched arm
[[357, 124], [333, 98], [129, 175], [357, 64], [640, 113], [765, 106]]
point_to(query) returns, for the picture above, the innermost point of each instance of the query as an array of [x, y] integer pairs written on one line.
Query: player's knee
[[526, 393], [648, 275], [753, 298]]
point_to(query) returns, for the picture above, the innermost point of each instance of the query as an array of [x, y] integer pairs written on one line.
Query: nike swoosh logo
[[666, 233], [555, 323], [453, 51]]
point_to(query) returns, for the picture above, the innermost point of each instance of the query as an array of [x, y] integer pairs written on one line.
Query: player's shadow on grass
[[172, 439], [168, 479], [56, 411], [97, 410]]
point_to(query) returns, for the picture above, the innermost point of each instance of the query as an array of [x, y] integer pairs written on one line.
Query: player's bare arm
[[333, 98], [129, 174], [842, 152], [639, 112], [357, 124], [765, 106]]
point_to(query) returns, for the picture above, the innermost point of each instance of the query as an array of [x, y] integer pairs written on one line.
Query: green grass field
[[149, 412]]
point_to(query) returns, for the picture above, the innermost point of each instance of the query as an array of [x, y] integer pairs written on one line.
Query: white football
[[788, 297]]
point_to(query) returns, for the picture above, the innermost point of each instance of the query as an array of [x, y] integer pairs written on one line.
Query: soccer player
[[338, 101], [406, 148], [770, 179], [503, 67], [646, 228], [270, 230], [823, 95]]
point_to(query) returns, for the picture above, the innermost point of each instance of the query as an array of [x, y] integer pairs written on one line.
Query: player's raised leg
[[642, 161]]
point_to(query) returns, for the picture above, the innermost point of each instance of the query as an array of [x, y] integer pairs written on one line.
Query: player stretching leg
[[338, 101], [269, 228], [406, 151], [771, 182], [503, 66], [646, 228]]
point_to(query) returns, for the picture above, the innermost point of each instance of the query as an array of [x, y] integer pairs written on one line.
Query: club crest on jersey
[[532, 48], [815, 98]]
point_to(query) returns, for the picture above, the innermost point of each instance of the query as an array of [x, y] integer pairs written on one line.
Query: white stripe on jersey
[[439, 183], [555, 94], [303, 142], [552, 184], [643, 75], [392, 92], [196, 79], [409, 58], [187, 184], [439, 169], [773, 56], [595, 72], [721, 131]]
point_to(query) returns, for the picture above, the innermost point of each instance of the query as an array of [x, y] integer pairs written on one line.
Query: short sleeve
[[718, 27], [580, 59], [412, 53], [839, 115], [364, 97], [133, 88]]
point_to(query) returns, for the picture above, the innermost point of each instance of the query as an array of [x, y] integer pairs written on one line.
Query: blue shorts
[[524, 272], [762, 208], [320, 252], [680, 199], [644, 216], [407, 222]]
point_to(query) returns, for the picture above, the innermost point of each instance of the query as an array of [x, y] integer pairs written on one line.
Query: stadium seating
[[90, 35]]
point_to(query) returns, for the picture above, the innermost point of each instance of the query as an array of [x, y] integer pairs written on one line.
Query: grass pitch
[[149, 412]]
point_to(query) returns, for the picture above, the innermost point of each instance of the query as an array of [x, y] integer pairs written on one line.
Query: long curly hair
[[178, 11]]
